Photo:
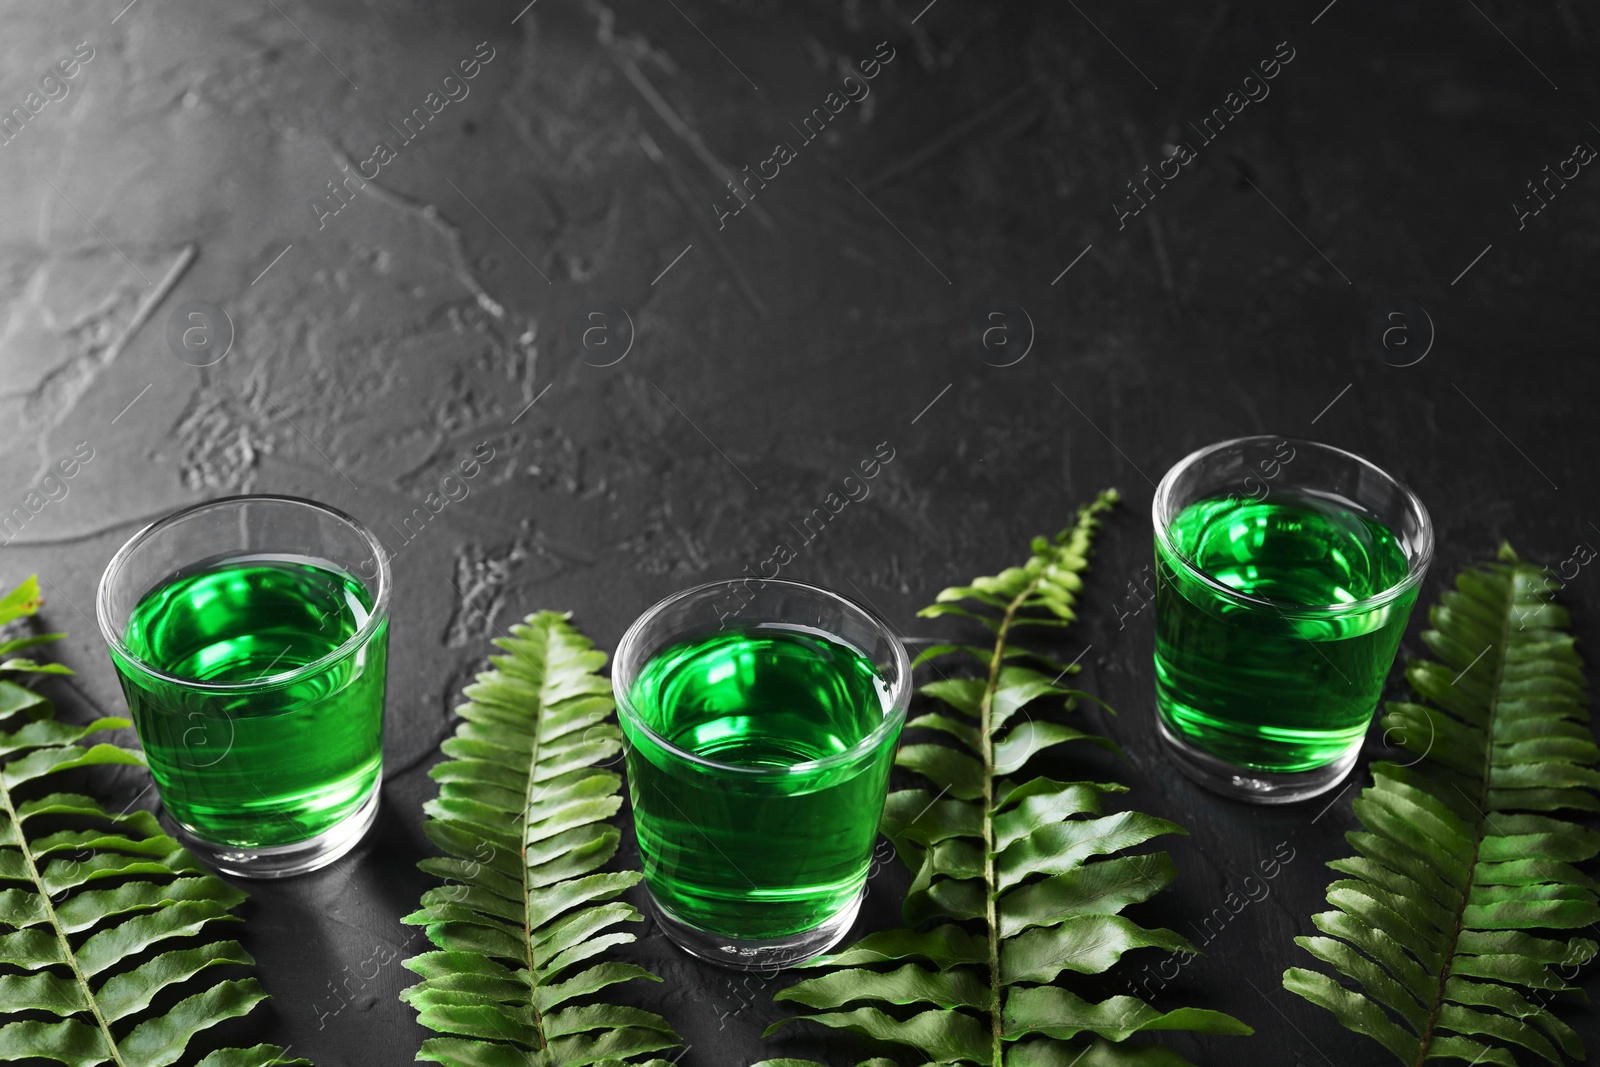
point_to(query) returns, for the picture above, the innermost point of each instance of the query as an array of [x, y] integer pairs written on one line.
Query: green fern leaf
[[1428, 952], [25, 599], [1016, 881], [528, 914], [85, 893]]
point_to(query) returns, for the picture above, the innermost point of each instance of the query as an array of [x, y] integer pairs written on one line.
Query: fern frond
[[1011, 889], [102, 916], [523, 817], [1459, 858]]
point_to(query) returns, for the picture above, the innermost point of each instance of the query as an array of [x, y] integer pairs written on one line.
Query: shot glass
[[250, 636], [1285, 573], [760, 720]]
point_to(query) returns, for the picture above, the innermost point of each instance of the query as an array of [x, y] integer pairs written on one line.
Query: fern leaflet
[[1459, 857], [522, 817], [1010, 891], [93, 901]]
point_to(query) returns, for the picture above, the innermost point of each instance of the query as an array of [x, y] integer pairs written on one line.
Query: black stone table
[[214, 280]]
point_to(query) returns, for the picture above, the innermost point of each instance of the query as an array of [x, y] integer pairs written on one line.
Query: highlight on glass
[[1285, 573], [250, 635], [760, 720]]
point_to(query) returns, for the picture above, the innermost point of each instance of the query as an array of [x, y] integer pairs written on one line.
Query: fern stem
[[985, 707], [991, 918], [1426, 1038], [522, 831], [55, 924]]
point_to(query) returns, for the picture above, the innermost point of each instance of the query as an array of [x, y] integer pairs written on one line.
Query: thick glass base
[[769, 954], [1257, 787], [282, 861]]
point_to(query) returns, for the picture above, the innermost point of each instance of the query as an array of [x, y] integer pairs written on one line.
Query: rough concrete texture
[[448, 304]]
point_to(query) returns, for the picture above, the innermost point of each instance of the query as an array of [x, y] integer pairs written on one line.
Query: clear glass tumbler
[[760, 720], [250, 635], [1285, 573]]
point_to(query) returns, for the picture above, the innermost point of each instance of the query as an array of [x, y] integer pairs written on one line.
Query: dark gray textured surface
[[783, 345]]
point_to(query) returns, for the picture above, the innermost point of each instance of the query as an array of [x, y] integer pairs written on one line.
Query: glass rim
[[900, 690], [1416, 566], [376, 619]]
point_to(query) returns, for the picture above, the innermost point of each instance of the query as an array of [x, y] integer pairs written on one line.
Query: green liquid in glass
[[265, 764], [1268, 685], [773, 847]]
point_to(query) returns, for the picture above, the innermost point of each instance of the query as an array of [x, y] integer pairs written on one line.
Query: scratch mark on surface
[[435, 218], [675, 182], [59, 391], [520, 334], [142, 315], [945, 141], [658, 103]]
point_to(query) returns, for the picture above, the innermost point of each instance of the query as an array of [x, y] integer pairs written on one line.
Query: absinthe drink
[[1265, 655], [755, 798], [267, 759]]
